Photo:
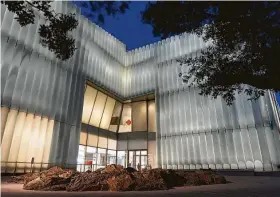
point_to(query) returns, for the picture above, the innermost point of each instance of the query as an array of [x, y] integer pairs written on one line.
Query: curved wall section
[[198, 132]]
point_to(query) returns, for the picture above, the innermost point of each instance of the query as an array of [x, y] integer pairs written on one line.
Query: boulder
[[92, 181], [147, 181], [203, 177], [130, 170], [35, 184], [123, 182], [219, 179], [52, 179], [113, 169], [21, 179]]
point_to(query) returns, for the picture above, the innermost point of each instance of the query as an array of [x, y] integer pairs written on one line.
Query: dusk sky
[[128, 27], [130, 30]]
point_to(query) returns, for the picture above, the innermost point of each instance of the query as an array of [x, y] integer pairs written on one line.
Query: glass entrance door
[[137, 158]]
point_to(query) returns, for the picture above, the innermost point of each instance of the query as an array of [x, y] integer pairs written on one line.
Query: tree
[[54, 34], [95, 10], [244, 54]]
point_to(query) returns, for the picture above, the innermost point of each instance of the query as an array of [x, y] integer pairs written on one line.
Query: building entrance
[[137, 158]]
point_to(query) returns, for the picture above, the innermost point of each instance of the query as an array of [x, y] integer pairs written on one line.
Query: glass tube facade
[[50, 115]]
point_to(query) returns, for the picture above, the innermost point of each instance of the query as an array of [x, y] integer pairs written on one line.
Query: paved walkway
[[241, 186]]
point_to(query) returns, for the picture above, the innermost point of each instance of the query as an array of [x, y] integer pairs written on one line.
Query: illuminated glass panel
[[81, 158], [101, 158], [111, 157], [152, 153], [92, 140], [143, 152], [89, 98], [8, 134], [41, 141], [107, 114], [90, 157], [152, 116], [131, 162], [112, 144], [102, 142], [81, 154], [17, 137], [15, 145], [22, 155], [83, 137], [139, 116], [115, 117], [48, 141], [33, 139], [126, 121], [121, 158], [98, 109]]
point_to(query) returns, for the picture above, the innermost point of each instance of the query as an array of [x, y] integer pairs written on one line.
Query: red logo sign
[[128, 122]]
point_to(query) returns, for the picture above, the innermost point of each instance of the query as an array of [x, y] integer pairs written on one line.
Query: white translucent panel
[[107, 114], [24, 144], [89, 98], [33, 138], [8, 134], [83, 137], [41, 143], [152, 155], [15, 145], [92, 140], [112, 144], [13, 154], [4, 116], [238, 145], [98, 109], [139, 116], [48, 141], [102, 142]]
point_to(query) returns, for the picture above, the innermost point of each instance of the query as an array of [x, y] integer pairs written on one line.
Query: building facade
[[109, 105]]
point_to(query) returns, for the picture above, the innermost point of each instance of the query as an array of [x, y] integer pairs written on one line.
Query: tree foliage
[[96, 9], [54, 33], [244, 54]]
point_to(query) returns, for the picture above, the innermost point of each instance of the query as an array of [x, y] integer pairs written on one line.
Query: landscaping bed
[[115, 178]]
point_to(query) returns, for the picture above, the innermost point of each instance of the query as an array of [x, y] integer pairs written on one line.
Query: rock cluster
[[116, 178]]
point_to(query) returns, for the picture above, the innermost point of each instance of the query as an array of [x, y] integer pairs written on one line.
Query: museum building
[[107, 105]]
